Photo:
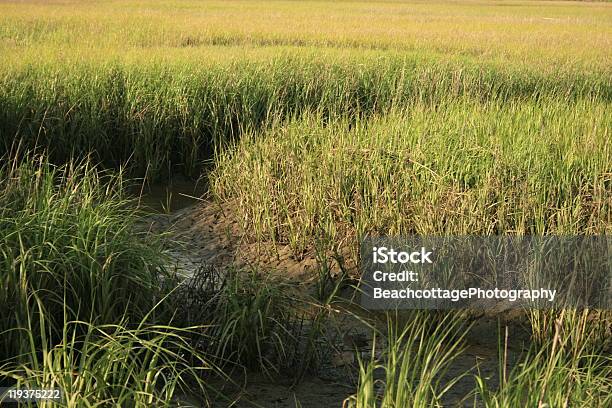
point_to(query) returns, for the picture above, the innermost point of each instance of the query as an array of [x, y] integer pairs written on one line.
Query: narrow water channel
[[170, 196]]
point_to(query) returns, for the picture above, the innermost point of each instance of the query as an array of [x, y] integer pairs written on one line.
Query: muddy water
[[212, 237], [171, 196]]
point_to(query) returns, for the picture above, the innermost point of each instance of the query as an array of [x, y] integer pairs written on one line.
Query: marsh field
[[184, 186]]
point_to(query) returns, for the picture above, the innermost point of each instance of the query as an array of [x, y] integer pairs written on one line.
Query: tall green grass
[[92, 310], [66, 238], [580, 330], [165, 116], [461, 167], [410, 371], [84, 301], [254, 321], [566, 369], [115, 364]]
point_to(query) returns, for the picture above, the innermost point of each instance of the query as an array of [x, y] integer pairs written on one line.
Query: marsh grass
[[254, 322], [559, 371], [566, 369], [93, 311], [67, 237], [119, 364], [573, 34], [85, 310], [166, 84], [171, 116], [580, 330], [410, 371], [251, 322], [493, 119], [462, 167]]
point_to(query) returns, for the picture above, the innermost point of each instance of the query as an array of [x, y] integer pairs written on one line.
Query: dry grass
[[525, 32]]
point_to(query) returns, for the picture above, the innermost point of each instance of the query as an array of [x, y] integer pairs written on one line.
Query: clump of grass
[[85, 303], [462, 167], [563, 370], [66, 235], [252, 320], [118, 364], [409, 372], [584, 329]]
